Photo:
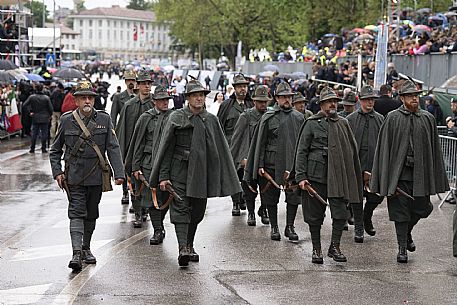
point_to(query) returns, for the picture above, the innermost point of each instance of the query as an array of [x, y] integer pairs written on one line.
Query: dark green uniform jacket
[[84, 169], [274, 142], [229, 112], [193, 151], [401, 128], [119, 101], [129, 116], [327, 148], [145, 141], [243, 134], [365, 127], [307, 114], [344, 114]]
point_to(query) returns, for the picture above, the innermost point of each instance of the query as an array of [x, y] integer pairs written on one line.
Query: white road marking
[[53, 251], [23, 295], [100, 221]]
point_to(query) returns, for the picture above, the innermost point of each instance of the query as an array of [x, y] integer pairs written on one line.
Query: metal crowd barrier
[[442, 130], [449, 149]]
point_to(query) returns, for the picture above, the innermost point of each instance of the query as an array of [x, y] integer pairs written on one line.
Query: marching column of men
[[176, 160]]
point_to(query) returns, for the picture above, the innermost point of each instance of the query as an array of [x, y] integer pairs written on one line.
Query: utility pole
[[54, 40]]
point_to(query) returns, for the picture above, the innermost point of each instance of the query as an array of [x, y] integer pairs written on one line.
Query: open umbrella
[[364, 37], [407, 9], [7, 65], [6, 77], [371, 27], [359, 30], [266, 74], [273, 68], [34, 77], [409, 23], [69, 73], [421, 28], [424, 10], [299, 75], [450, 14]]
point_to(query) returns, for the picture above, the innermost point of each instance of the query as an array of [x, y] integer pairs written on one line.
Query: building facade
[[121, 33]]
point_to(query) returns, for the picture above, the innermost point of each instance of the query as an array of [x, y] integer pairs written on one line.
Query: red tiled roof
[[117, 11]]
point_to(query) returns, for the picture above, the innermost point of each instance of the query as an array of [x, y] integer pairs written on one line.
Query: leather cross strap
[[103, 162]]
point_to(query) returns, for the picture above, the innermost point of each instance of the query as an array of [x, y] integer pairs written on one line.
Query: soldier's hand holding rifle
[[60, 181], [163, 185], [119, 181]]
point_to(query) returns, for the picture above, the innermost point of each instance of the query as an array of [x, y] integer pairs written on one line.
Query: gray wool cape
[[400, 127], [288, 133], [243, 134], [130, 114], [344, 175], [357, 121], [210, 174]]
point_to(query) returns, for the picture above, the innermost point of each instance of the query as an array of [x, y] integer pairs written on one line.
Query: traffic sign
[[50, 59]]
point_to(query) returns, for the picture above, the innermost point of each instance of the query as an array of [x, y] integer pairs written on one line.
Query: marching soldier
[[119, 101], [299, 103], [326, 161], [241, 140], [408, 166], [365, 124], [84, 138], [271, 156], [194, 162], [348, 103], [140, 158], [124, 129], [228, 114]]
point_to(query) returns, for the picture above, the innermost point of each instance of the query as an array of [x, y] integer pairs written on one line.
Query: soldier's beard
[[87, 109], [131, 86]]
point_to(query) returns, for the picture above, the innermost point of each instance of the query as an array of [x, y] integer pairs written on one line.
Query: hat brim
[[143, 80], [262, 99], [410, 92], [368, 96], [330, 98], [205, 91], [285, 94], [347, 103], [162, 97], [84, 93], [130, 78], [300, 100], [243, 82]]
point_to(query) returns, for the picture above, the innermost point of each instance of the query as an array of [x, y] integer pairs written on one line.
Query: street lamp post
[[54, 39]]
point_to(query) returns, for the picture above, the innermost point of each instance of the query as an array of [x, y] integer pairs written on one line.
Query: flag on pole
[[380, 75], [135, 33], [13, 115], [141, 29]]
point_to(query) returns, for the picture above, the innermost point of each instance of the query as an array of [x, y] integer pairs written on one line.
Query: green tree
[[139, 5], [37, 8]]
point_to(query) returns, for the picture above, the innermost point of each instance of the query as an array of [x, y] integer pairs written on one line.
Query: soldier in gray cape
[[271, 157], [84, 152], [141, 155], [228, 114], [326, 159], [408, 159], [365, 124], [241, 140], [124, 130], [348, 103], [299, 103], [119, 101], [194, 159]]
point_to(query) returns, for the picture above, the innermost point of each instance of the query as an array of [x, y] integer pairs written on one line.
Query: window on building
[[122, 35], [108, 34], [115, 34], [80, 23], [115, 23], [90, 22], [147, 26], [73, 47], [90, 34], [100, 23], [108, 22], [128, 24], [100, 34]]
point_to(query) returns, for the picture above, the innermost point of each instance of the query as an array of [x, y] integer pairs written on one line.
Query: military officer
[[326, 159], [84, 151], [271, 157], [241, 140], [299, 103], [118, 103], [141, 154], [365, 124], [124, 129], [194, 159], [228, 114], [408, 163], [348, 103]]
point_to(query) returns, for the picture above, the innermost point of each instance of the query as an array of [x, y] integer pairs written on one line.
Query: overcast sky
[[88, 3]]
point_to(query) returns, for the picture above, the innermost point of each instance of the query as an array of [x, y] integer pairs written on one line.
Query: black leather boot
[[317, 257], [76, 261], [402, 256], [194, 257], [410, 246], [251, 219], [275, 233], [351, 219], [358, 234], [242, 205], [125, 198], [290, 232], [144, 214], [346, 226], [138, 222], [367, 223], [263, 213], [335, 253], [236, 209], [157, 238], [88, 257], [183, 257]]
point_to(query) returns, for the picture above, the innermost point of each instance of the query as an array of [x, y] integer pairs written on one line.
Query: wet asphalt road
[[238, 264]]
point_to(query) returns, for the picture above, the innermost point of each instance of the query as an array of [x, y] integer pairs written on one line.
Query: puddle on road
[[26, 182]]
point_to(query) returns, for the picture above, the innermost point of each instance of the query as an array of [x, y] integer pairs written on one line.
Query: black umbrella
[[7, 65], [6, 77], [424, 10], [69, 73]]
